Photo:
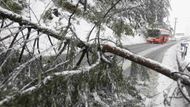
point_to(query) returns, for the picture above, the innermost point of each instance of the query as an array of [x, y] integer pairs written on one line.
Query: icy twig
[[47, 80]]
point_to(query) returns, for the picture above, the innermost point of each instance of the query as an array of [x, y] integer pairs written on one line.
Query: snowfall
[[165, 87]]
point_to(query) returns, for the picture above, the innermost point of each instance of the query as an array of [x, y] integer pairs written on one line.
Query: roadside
[[165, 86], [183, 58], [154, 88], [167, 93], [146, 52]]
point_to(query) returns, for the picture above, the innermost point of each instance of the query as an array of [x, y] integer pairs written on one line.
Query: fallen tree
[[102, 48], [105, 47]]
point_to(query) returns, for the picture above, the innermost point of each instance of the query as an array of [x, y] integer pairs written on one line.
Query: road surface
[[148, 81], [152, 51]]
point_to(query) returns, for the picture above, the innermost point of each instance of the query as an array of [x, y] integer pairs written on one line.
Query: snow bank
[[80, 25], [130, 40]]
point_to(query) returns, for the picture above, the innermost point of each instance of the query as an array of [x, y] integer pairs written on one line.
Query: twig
[[81, 58], [51, 43], [111, 8], [2, 22], [24, 46], [18, 69], [46, 81]]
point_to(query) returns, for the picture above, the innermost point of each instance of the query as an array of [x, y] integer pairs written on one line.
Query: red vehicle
[[158, 35]]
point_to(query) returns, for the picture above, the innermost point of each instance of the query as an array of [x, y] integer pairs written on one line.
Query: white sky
[[180, 10]]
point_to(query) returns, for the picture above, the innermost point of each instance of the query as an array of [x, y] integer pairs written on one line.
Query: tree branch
[[146, 62], [46, 81], [107, 48], [24, 21]]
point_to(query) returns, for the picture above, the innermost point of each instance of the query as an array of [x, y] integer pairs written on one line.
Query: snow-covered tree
[[46, 63]]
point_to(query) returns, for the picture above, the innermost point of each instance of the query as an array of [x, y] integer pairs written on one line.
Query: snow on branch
[[19, 69], [47, 80], [105, 47], [160, 68], [115, 50], [24, 21]]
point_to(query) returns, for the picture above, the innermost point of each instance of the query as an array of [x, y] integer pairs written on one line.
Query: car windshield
[[153, 33]]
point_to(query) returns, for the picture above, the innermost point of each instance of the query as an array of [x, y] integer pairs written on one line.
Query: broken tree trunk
[[105, 47], [158, 67]]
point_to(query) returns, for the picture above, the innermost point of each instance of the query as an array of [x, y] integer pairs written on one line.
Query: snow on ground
[[130, 40], [181, 102], [37, 8], [83, 28], [166, 86], [79, 25], [127, 63]]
